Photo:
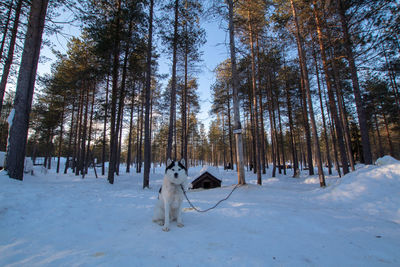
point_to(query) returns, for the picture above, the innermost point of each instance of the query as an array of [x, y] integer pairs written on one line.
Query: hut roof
[[206, 180]]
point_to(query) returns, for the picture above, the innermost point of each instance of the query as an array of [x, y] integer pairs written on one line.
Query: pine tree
[[24, 92]]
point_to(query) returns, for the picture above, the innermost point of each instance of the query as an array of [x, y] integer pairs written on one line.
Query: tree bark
[[10, 54], [61, 136], [230, 132], [341, 105], [114, 98], [82, 160], [302, 57], [147, 127], [71, 132], [271, 122], [262, 131], [328, 157], [380, 147], [391, 150], [255, 103], [24, 91], [235, 87], [296, 171], [172, 109], [333, 109], [362, 120], [88, 152], [105, 129], [281, 137], [3, 41], [129, 153]]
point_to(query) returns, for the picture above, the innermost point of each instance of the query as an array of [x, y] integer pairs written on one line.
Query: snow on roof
[[210, 169]]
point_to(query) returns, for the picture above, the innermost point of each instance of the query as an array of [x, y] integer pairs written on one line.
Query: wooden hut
[[206, 180]]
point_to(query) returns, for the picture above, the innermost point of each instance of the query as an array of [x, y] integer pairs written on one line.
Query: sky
[[214, 50]]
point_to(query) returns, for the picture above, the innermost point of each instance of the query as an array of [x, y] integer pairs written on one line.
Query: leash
[[213, 207]]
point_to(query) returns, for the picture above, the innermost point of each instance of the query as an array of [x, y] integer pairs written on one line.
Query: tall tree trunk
[[295, 164], [328, 157], [184, 109], [77, 135], [129, 153], [341, 105], [302, 57], [276, 139], [281, 137], [253, 156], [172, 109], [230, 132], [271, 122], [362, 120], [105, 129], [24, 91], [88, 151], [147, 124], [235, 87], [262, 131], [10, 54], [333, 135], [137, 136], [114, 97], [391, 150], [119, 145], [61, 136], [79, 129], [333, 109], [392, 78], [71, 131], [121, 102], [3, 41], [255, 104], [380, 147], [82, 161], [304, 89], [139, 167]]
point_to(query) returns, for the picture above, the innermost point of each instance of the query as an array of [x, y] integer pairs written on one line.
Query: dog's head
[[176, 171]]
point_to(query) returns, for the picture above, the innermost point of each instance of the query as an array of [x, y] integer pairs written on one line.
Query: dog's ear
[[169, 161], [183, 162]]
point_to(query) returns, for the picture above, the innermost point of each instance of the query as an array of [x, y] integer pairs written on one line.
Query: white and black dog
[[170, 197]]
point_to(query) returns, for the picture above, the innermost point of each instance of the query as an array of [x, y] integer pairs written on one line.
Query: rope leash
[[213, 207]]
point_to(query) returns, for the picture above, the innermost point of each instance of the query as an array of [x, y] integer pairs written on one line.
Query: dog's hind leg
[[158, 216]]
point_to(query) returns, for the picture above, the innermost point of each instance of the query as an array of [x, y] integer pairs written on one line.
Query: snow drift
[[64, 220]]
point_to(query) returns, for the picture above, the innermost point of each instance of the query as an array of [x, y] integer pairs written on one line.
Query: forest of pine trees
[[308, 85]]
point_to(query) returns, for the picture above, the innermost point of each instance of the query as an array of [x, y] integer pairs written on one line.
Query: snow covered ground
[[63, 220]]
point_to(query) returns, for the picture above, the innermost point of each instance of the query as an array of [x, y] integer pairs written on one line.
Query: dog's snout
[[176, 175]]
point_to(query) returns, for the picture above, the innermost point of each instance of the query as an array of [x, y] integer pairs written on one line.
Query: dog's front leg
[[166, 215], [179, 215]]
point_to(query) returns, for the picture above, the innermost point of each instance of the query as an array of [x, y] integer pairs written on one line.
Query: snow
[[386, 160], [214, 170], [28, 165], [11, 117], [63, 220], [2, 158]]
